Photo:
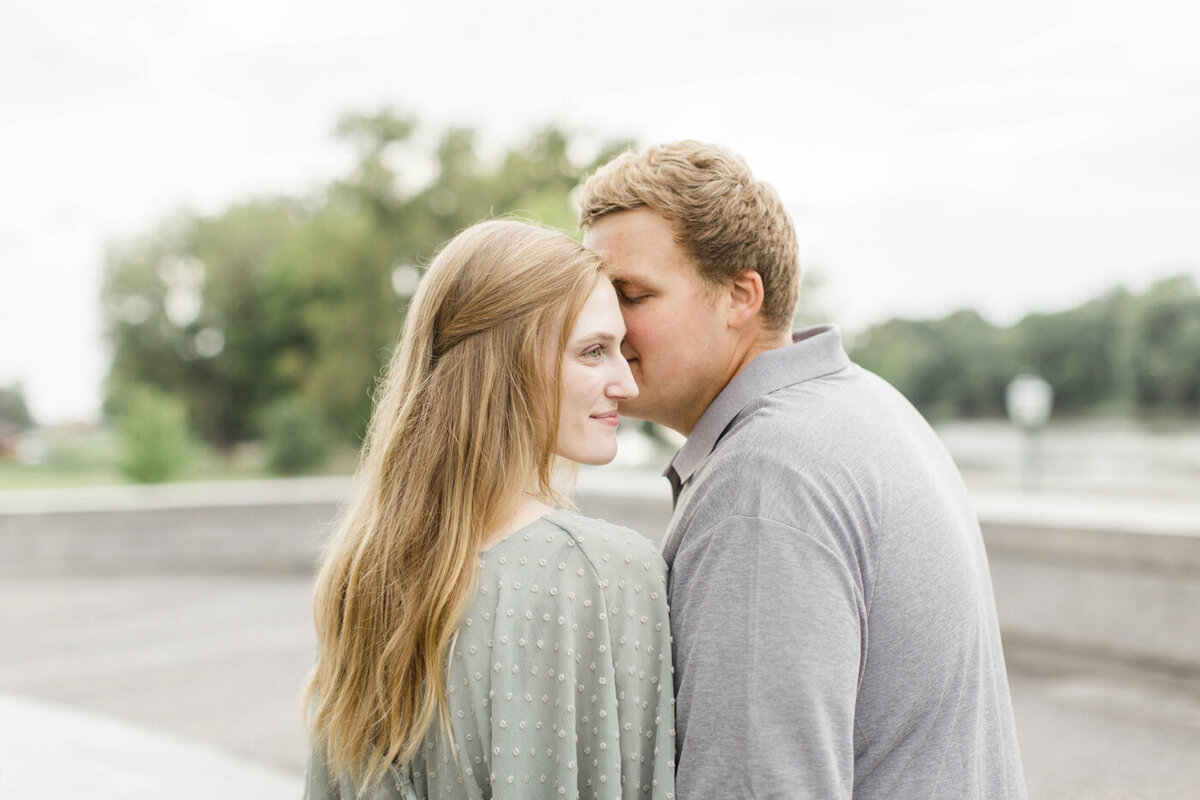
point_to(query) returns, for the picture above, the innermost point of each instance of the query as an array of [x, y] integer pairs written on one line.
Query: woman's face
[[595, 378]]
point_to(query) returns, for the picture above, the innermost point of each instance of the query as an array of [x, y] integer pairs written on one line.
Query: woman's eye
[[594, 352]]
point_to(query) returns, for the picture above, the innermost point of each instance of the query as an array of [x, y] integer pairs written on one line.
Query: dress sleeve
[[586, 710], [768, 629], [635, 592], [579, 687], [395, 784], [318, 783]]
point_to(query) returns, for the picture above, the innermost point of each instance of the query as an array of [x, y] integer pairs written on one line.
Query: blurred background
[[213, 216]]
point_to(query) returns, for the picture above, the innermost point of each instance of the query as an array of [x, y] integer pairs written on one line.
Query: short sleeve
[[578, 673], [639, 628], [318, 784], [768, 647], [559, 683]]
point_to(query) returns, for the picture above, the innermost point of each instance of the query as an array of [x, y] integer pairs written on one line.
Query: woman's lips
[[608, 418]]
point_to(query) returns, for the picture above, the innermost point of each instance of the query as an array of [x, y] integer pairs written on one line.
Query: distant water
[[1110, 456]]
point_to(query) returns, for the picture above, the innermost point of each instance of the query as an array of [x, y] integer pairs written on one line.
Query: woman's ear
[[745, 298]]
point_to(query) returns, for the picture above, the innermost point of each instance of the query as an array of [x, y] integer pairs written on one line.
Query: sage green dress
[[560, 680]]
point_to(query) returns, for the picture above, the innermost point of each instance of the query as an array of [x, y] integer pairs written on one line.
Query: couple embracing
[[826, 628]]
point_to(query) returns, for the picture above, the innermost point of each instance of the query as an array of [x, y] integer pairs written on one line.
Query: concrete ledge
[[1109, 579], [1116, 578], [212, 527], [1122, 534], [1100, 578], [277, 525], [173, 496]]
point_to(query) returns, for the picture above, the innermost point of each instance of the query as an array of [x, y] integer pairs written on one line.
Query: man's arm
[[768, 630]]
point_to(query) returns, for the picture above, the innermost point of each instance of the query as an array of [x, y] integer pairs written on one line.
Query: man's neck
[[757, 347], [741, 356]]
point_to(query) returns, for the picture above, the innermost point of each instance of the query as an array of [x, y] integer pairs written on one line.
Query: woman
[[475, 639]]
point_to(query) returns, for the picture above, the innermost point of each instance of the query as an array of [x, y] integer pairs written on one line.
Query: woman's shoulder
[[612, 550], [568, 553]]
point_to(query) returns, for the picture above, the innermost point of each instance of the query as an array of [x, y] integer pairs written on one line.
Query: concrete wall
[[270, 525], [1091, 576], [1099, 578]]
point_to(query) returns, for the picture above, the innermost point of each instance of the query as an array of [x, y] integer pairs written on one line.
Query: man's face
[[676, 331]]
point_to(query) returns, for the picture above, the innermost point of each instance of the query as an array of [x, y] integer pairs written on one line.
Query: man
[[834, 630]]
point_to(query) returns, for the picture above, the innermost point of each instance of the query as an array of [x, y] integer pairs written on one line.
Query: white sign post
[[1028, 400]]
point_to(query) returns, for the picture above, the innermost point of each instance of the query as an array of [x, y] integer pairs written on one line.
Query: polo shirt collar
[[814, 352]]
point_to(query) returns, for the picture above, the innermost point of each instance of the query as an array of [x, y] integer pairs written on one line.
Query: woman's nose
[[623, 387]]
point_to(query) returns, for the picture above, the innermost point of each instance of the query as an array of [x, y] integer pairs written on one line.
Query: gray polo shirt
[[834, 630]]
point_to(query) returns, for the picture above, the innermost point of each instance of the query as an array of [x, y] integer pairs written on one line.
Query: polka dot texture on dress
[[560, 680]]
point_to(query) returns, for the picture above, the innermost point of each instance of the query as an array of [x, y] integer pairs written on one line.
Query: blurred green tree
[[1164, 348], [305, 297], [296, 438], [154, 431], [1079, 352], [1119, 353], [956, 366], [14, 411], [184, 312]]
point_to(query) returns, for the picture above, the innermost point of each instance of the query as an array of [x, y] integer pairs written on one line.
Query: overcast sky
[[935, 155]]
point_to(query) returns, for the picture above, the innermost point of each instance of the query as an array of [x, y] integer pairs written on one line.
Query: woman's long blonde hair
[[465, 422]]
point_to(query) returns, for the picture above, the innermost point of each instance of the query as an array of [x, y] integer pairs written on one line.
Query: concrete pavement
[[208, 669], [125, 652], [53, 751]]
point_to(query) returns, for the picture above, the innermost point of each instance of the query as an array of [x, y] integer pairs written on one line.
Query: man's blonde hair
[[724, 219]]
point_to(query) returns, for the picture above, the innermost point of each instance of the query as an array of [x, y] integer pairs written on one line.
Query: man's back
[[830, 599]]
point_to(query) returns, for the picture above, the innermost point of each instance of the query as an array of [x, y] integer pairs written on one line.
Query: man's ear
[[745, 298]]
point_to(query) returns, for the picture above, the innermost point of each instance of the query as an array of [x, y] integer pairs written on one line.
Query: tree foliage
[[154, 431], [1080, 351], [956, 366], [1122, 351], [304, 297], [286, 303], [296, 438], [14, 411], [1164, 347]]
